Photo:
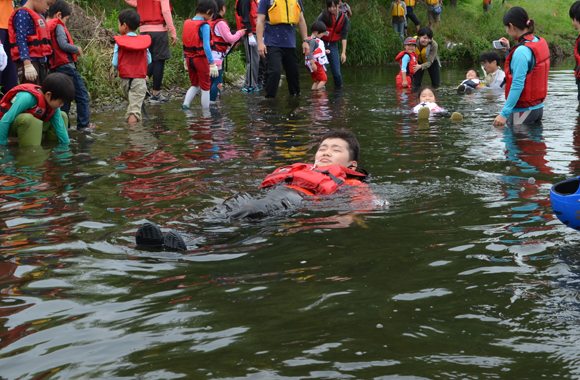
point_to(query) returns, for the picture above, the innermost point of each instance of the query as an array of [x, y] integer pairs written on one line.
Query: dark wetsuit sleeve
[[345, 28], [244, 7]]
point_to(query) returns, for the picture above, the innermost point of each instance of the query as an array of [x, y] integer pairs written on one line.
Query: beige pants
[[135, 90]]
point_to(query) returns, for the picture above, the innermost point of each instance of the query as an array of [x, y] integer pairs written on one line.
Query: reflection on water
[[465, 275]]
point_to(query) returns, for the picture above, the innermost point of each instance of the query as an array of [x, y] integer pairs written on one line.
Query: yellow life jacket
[[398, 10], [284, 12], [423, 53], [432, 2], [410, 3]]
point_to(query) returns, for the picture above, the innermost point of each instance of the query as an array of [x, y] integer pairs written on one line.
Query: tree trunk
[[453, 3]]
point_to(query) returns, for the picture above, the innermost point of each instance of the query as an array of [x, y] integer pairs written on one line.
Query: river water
[[466, 274]]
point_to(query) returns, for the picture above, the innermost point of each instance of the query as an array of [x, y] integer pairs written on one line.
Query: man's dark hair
[[575, 11], [425, 30], [206, 5], [490, 56], [131, 18], [59, 6], [60, 86], [475, 71], [318, 27], [349, 137]]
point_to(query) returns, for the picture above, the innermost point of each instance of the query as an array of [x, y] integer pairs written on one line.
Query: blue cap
[[565, 200]]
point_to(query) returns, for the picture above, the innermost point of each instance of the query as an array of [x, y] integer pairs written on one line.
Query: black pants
[[277, 58], [433, 73]]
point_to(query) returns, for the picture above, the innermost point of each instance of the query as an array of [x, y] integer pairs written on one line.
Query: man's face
[[489, 67], [334, 152]]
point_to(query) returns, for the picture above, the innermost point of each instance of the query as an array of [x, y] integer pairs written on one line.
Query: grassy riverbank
[[371, 40]]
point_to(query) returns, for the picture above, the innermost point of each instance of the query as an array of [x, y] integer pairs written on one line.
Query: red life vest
[[39, 44], [41, 111], [192, 41], [133, 55], [150, 12], [536, 85], [319, 181], [577, 56], [253, 16], [410, 69], [59, 57], [219, 44], [334, 31]]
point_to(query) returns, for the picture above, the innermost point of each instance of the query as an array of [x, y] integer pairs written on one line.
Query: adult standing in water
[[526, 71], [278, 41], [155, 20], [427, 58], [337, 24], [8, 76]]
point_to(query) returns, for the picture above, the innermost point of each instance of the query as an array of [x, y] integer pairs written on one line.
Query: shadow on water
[[465, 275]]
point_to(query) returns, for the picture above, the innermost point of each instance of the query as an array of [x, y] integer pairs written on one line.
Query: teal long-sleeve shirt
[[204, 31], [22, 102], [519, 67]]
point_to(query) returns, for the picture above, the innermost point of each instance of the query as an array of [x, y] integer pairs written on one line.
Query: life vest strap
[[337, 180], [192, 48]]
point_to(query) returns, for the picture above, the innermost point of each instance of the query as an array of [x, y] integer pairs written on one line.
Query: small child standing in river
[[316, 58], [407, 60]]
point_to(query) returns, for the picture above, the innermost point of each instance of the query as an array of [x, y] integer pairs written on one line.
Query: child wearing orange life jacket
[[199, 60], [407, 60], [131, 57], [316, 57], [334, 169], [30, 43], [64, 59], [222, 39]]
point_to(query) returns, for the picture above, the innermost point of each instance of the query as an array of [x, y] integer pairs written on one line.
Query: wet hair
[[59, 6], [518, 17], [423, 88], [326, 15], [318, 27], [206, 5], [575, 11], [490, 56], [219, 4], [60, 86], [425, 30], [131, 18], [475, 71], [349, 137]]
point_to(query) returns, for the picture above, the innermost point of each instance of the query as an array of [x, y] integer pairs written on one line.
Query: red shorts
[[199, 73], [320, 74]]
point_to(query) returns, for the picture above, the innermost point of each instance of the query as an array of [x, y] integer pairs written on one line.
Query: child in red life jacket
[[407, 60], [199, 60], [316, 58], [131, 58], [333, 169], [222, 39], [64, 59], [575, 16], [30, 43], [28, 111]]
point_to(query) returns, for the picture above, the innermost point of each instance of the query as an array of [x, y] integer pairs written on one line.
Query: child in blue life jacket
[[29, 111], [470, 83], [131, 57], [427, 98], [30, 43], [316, 58], [199, 61], [575, 16], [333, 169], [407, 60], [64, 60]]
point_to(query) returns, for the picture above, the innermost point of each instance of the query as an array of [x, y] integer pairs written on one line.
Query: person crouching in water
[[427, 98], [30, 111], [199, 61], [316, 57], [407, 60], [333, 169]]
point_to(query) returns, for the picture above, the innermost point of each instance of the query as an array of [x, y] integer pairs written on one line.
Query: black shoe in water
[[149, 235], [174, 241]]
